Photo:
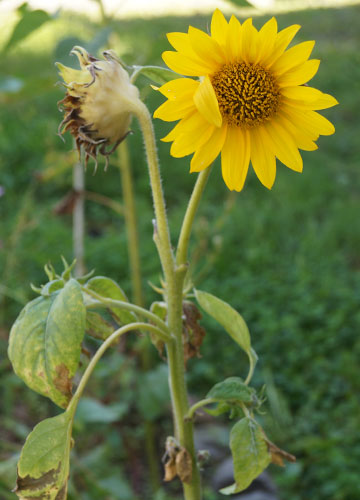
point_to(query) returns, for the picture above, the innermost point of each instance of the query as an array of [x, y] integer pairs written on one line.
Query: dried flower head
[[97, 104]]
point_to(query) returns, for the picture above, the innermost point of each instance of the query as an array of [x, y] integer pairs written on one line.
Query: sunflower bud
[[98, 103]]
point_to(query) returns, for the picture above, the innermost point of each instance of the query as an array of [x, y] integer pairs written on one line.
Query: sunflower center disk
[[248, 94]]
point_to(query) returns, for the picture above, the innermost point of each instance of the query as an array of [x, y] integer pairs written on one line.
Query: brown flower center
[[248, 94]]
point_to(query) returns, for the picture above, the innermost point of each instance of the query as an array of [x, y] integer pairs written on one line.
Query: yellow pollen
[[248, 94]]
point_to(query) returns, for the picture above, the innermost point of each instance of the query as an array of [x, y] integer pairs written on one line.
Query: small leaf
[[156, 74], [232, 389], [250, 454], [43, 468], [108, 288], [97, 326], [51, 287], [30, 21], [45, 342], [231, 320]]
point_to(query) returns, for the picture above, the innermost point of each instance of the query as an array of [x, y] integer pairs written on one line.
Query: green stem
[[174, 278], [131, 223], [130, 307], [161, 229], [196, 406], [183, 244], [104, 346]]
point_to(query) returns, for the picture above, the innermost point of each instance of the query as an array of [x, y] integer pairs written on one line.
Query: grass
[[287, 259]]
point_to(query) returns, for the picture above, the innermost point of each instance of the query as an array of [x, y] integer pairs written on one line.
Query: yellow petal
[[208, 152], [308, 98], [302, 139], [182, 43], [219, 27], [207, 104], [293, 57], [283, 145], [185, 65], [70, 75], [310, 121], [300, 74], [283, 38], [174, 110], [235, 158], [179, 88], [266, 39], [233, 41], [197, 133], [206, 48], [262, 157], [249, 41]]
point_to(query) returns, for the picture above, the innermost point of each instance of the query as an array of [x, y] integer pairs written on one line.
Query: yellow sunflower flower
[[249, 103]]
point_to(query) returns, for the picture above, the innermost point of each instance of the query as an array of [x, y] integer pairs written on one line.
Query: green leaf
[[160, 309], [231, 320], [91, 410], [156, 74], [51, 287], [108, 288], [45, 342], [97, 326], [250, 454], [232, 389], [30, 21], [43, 468]]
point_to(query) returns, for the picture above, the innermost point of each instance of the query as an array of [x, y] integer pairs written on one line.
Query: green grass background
[[287, 259]]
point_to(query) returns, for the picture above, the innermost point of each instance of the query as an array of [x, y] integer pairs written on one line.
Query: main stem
[[174, 277]]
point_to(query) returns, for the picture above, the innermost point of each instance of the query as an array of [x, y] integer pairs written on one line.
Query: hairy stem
[[174, 278]]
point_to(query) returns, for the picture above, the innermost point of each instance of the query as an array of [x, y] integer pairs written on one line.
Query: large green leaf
[[231, 320], [108, 288], [45, 342], [30, 21], [43, 468], [250, 454], [97, 326]]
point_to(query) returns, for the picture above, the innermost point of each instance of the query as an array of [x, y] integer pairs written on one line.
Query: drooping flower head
[[250, 101], [97, 104]]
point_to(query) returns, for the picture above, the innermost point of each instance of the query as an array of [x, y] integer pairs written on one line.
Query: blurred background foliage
[[287, 259]]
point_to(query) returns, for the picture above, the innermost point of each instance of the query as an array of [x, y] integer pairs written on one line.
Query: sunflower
[[98, 103], [250, 101]]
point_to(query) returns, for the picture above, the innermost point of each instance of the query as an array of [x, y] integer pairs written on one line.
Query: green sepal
[[156, 74], [45, 342], [250, 454], [109, 289], [43, 468]]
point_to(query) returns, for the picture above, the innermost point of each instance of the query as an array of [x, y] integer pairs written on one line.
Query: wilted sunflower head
[[98, 103], [248, 99]]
